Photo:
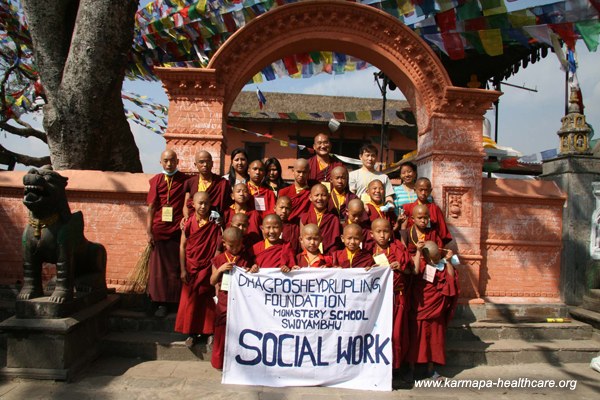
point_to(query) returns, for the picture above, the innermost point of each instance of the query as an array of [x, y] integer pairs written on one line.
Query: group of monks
[[202, 226]]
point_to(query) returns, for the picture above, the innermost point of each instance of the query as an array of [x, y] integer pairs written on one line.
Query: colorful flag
[[262, 101]]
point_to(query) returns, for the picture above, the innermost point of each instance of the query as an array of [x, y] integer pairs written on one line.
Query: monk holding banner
[[165, 205]]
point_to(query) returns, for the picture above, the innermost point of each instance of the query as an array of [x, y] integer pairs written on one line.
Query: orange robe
[[361, 259]]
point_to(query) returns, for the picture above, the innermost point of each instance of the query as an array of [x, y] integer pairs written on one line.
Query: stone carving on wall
[[595, 224], [458, 205]]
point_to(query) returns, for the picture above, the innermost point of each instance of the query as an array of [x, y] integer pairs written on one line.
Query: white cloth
[[359, 181]]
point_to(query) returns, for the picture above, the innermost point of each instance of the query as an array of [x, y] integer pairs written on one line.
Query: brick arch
[[340, 26]]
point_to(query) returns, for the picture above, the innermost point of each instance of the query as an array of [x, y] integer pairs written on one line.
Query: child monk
[[199, 243], [234, 254], [240, 221], [241, 205], [340, 194], [311, 256], [291, 231], [391, 252], [358, 215], [376, 208], [438, 223], [352, 256], [420, 229], [328, 223], [434, 295], [262, 196], [273, 252], [299, 192]]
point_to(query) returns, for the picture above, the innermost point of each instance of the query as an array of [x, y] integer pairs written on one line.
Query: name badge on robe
[[259, 204], [328, 186], [225, 279], [167, 214], [381, 259], [429, 274]]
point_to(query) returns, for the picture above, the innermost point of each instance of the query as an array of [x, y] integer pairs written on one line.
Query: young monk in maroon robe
[[165, 203], [241, 205], [291, 231], [199, 243], [357, 215], [299, 192], [434, 296], [438, 222], [311, 256], [262, 197], [420, 229], [392, 252], [218, 189], [234, 254], [352, 256], [328, 223], [376, 192], [340, 195], [323, 162], [240, 221], [273, 252]]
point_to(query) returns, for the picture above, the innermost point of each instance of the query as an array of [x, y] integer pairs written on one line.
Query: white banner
[[311, 327]]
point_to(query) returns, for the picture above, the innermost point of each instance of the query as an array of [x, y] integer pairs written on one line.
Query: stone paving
[[130, 379]]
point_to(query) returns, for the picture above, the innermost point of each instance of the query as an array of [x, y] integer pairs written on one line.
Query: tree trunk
[[81, 50]]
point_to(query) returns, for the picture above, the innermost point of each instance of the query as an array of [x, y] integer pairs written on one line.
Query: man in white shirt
[[359, 180]]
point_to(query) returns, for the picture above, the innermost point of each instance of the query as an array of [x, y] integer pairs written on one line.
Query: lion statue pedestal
[[55, 334]]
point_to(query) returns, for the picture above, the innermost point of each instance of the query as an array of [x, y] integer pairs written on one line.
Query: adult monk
[[340, 194], [263, 197], [328, 223], [165, 203], [299, 192], [323, 162], [218, 188], [423, 189]]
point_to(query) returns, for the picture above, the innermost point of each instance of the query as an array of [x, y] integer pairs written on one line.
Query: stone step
[[513, 312], [591, 303], [153, 346], [510, 352], [587, 316], [482, 331], [123, 320]]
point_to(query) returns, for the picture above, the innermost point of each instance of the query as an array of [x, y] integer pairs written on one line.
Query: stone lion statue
[[55, 235]]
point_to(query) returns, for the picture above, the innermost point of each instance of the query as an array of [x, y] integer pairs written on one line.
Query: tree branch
[[26, 132], [26, 160]]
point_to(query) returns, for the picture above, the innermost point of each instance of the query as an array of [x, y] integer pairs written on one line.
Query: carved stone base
[[55, 348], [41, 307]]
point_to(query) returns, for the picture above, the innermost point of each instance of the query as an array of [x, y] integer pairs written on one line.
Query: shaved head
[[201, 196], [419, 208], [353, 228], [233, 234], [301, 163], [310, 229], [380, 222], [239, 218], [339, 170], [356, 206], [273, 218], [168, 153], [317, 187], [203, 154], [321, 136], [284, 199], [375, 182]]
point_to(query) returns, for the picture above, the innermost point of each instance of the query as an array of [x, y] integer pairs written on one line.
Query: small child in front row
[[234, 254], [434, 295], [273, 252], [391, 252], [199, 244], [312, 256], [352, 256]]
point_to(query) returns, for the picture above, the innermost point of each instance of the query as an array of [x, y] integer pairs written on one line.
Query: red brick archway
[[449, 118]]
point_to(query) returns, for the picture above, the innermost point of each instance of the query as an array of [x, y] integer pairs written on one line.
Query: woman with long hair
[[273, 179], [405, 193], [238, 170]]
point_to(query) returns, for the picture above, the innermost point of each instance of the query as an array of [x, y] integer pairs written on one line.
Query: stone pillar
[[575, 174], [451, 155], [195, 115]]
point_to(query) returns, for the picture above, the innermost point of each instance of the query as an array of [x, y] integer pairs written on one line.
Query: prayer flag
[[589, 31], [262, 101], [491, 39]]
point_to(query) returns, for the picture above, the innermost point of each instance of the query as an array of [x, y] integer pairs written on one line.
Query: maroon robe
[[341, 210], [266, 194], [398, 252], [164, 283], [253, 233], [432, 306], [436, 217], [329, 228], [361, 259], [219, 192], [367, 239], [320, 262], [430, 234], [196, 313], [300, 201], [275, 256], [375, 213], [243, 260], [291, 234], [322, 175]]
